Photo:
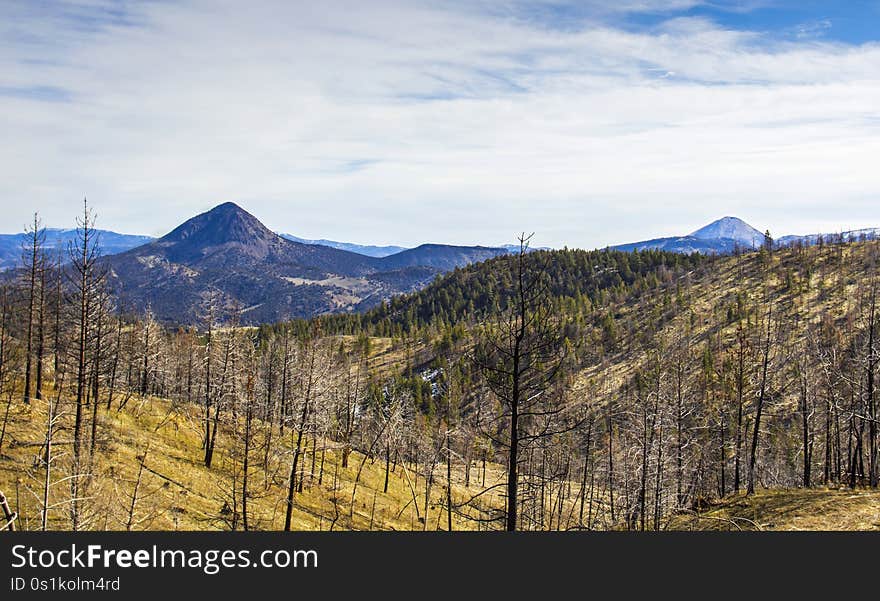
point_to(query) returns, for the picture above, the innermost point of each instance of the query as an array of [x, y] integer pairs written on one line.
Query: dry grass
[[179, 493], [789, 510]]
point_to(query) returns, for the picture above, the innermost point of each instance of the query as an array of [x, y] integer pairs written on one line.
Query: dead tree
[[139, 494], [806, 410], [762, 397], [311, 375], [740, 371], [520, 354], [6, 340], [215, 394], [34, 263], [86, 278], [872, 358]]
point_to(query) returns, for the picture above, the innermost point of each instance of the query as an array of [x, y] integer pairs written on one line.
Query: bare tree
[[872, 357], [766, 353], [87, 277], [135, 517], [740, 370], [7, 370], [34, 263], [312, 372], [520, 354]]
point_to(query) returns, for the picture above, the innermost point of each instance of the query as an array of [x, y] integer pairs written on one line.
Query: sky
[[464, 121]]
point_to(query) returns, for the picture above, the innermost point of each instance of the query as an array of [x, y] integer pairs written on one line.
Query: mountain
[[385, 251], [731, 228], [683, 244], [728, 234], [361, 249], [514, 248], [226, 258], [722, 236], [871, 233], [58, 240]]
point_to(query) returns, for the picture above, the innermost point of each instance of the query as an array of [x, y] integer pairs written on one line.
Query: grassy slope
[[179, 493], [191, 498], [815, 509], [711, 293]]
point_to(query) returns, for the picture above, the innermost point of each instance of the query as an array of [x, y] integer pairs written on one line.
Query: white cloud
[[402, 122]]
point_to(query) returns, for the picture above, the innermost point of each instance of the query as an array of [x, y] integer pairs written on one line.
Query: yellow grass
[[791, 510], [179, 493]]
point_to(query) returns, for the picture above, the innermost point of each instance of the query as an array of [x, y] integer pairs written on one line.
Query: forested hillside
[[577, 282], [539, 391]]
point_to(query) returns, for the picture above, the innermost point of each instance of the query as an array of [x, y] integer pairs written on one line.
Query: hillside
[[177, 492], [441, 256], [685, 382], [694, 357], [468, 294], [787, 335], [822, 510]]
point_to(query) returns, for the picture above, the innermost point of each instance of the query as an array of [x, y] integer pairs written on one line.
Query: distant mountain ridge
[[58, 239], [871, 233], [385, 251], [225, 260], [722, 236], [362, 249]]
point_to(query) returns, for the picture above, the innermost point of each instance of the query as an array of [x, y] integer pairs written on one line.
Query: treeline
[[609, 390]]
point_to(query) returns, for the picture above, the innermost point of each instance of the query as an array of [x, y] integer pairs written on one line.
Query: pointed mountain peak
[[227, 207], [224, 223], [731, 228]]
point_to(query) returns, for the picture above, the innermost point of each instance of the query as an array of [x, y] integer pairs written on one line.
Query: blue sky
[[850, 22], [406, 121]]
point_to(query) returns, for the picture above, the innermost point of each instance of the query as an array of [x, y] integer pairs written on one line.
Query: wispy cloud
[[813, 29], [39, 93], [408, 121]]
